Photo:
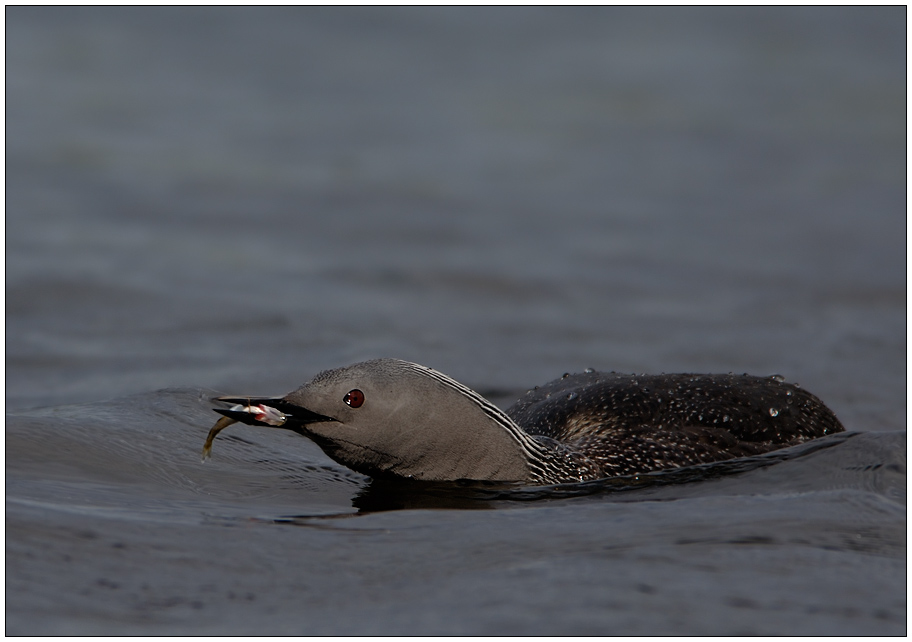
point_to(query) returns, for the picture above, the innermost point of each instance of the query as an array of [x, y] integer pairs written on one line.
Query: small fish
[[219, 426], [260, 412]]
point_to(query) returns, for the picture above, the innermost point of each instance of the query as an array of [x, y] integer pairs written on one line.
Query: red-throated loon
[[394, 418]]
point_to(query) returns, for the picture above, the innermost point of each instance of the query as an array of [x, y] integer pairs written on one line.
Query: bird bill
[[261, 413]]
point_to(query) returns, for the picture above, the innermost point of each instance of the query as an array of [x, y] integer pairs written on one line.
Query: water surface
[[203, 202]]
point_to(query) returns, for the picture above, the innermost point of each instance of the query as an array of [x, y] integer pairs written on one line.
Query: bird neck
[[552, 462], [545, 460]]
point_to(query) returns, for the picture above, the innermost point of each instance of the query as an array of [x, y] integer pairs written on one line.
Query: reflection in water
[[503, 196]]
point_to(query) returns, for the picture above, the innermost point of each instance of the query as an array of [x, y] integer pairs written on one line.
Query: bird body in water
[[393, 418]]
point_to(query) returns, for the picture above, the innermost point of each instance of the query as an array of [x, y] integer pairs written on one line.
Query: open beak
[[261, 411], [268, 411]]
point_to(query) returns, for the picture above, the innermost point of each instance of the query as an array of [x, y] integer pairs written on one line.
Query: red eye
[[354, 398]]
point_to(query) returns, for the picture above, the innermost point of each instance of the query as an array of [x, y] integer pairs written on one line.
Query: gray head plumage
[[392, 417]]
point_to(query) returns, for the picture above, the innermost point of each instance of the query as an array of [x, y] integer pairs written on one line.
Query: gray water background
[[204, 201]]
